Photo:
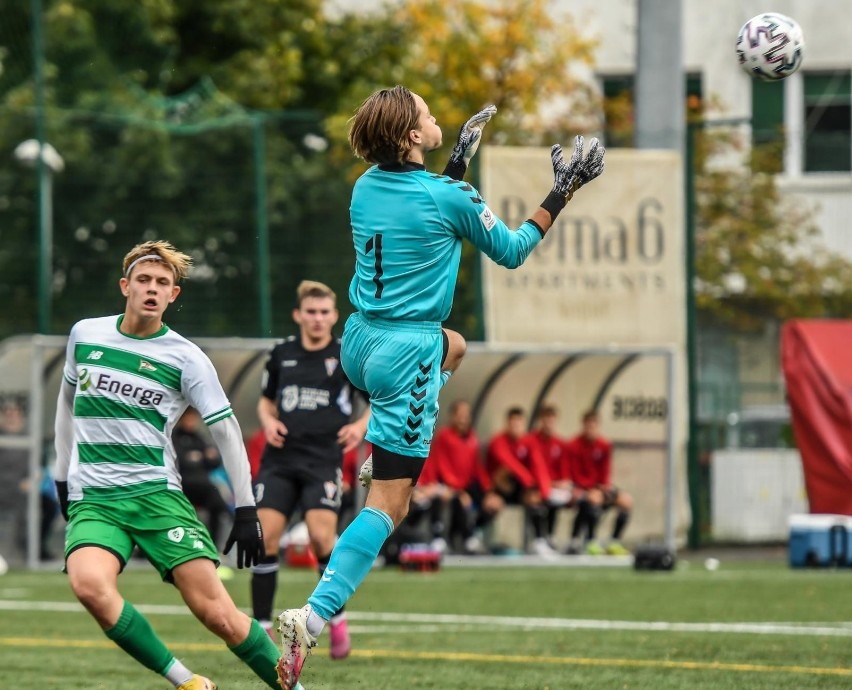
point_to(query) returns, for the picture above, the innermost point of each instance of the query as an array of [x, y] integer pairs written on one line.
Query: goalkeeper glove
[[569, 176], [592, 166], [62, 495], [470, 135], [247, 534]]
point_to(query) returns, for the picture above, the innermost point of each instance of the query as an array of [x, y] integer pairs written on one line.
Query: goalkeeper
[[127, 380], [407, 226]]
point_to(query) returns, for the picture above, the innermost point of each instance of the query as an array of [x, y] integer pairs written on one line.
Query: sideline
[[472, 657], [436, 622]]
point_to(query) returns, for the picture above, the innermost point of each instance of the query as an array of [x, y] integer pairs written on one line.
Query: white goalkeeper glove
[[365, 475], [470, 135], [570, 175]]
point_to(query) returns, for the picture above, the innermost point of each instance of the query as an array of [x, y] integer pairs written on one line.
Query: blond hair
[[313, 288], [158, 250], [380, 128]]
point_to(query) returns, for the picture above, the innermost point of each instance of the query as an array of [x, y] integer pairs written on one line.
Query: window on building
[[828, 121], [619, 120], [767, 125]]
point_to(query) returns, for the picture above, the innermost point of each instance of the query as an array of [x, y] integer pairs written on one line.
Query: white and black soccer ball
[[770, 46]]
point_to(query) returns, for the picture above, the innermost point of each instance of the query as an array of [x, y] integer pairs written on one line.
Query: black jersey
[[311, 392]]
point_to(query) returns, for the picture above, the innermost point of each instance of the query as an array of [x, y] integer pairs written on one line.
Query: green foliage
[[152, 104], [758, 254], [521, 55], [153, 148]]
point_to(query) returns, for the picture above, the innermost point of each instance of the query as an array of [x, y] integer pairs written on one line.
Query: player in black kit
[[305, 410]]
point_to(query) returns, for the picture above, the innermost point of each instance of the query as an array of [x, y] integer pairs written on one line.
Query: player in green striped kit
[[127, 380]]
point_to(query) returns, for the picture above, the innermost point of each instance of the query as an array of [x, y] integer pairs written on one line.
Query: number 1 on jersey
[[375, 242]]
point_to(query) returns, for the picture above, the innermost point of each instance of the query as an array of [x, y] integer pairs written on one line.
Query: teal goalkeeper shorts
[[163, 524], [398, 363]]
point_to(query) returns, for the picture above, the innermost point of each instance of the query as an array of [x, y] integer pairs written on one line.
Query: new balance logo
[[95, 354], [146, 366]]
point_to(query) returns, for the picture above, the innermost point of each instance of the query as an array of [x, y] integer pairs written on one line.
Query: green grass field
[[754, 625]]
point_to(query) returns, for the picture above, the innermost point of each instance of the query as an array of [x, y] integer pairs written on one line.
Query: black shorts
[[513, 496], [610, 495], [287, 482]]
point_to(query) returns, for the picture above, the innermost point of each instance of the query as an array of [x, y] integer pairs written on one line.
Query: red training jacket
[[553, 450], [456, 459], [590, 461], [522, 458]]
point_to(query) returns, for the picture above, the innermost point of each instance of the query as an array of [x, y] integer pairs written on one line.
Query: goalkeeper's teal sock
[[445, 376], [134, 634], [260, 654], [350, 561]]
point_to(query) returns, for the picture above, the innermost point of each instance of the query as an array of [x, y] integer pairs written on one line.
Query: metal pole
[[262, 228], [660, 99], [45, 243], [36, 437], [671, 462], [694, 536]]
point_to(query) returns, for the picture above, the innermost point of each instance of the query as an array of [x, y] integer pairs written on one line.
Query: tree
[[151, 102], [154, 149], [529, 60], [758, 253]]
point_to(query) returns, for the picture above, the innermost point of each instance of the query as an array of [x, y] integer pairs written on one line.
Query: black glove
[[62, 494], [247, 534]]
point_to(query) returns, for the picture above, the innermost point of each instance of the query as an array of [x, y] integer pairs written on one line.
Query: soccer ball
[[770, 46]]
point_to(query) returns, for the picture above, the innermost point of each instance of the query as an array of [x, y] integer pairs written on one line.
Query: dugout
[[632, 389]]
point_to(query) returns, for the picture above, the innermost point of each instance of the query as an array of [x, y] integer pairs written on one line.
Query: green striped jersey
[[129, 394]]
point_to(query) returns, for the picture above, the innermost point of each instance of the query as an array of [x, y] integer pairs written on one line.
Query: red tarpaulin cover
[[816, 356]]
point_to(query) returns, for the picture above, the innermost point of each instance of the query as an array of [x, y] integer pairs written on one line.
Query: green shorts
[[162, 524]]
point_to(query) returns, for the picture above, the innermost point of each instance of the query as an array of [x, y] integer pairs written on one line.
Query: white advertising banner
[[611, 270], [610, 274]]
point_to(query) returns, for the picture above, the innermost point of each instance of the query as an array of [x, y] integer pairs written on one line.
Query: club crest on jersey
[[332, 495], [175, 534], [289, 398], [331, 365], [85, 379], [146, 366], [488, 218]]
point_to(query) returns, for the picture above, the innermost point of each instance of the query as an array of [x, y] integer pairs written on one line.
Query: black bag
[[654, 557]]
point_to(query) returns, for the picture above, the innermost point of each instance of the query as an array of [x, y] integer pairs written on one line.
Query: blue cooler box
[[820, 540]]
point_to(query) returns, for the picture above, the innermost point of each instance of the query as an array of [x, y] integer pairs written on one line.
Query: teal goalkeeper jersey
[[407, 226]]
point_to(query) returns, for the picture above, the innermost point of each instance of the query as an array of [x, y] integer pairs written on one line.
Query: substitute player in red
[[456, 455], [590, 462], [519, 474], [552, 448]]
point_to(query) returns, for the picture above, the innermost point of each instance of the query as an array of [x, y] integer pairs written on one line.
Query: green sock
[[260, 654], [134, 634]]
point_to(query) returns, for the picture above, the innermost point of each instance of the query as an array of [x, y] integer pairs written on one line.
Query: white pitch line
[[425, 622]]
